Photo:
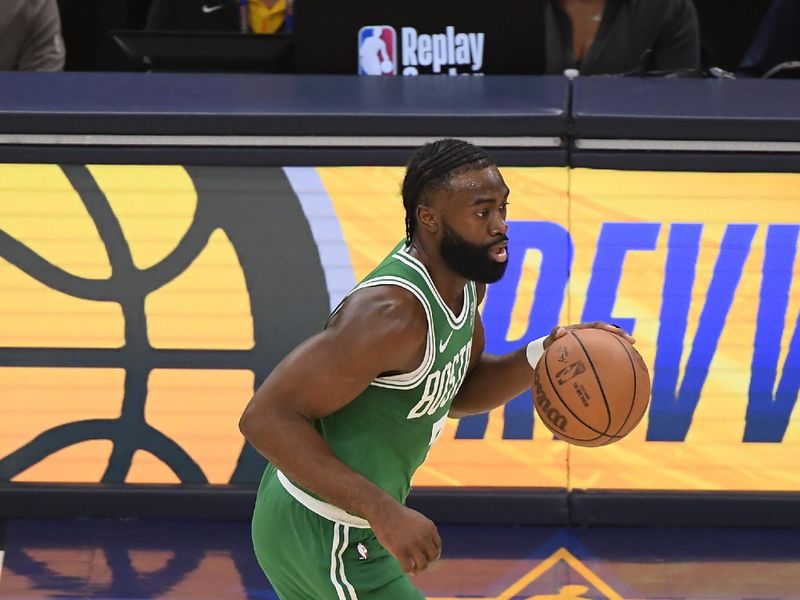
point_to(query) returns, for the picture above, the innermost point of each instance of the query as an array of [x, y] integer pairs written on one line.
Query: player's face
[[474, 240]]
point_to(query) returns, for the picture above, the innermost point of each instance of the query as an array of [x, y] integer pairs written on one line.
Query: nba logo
[[377, 50]]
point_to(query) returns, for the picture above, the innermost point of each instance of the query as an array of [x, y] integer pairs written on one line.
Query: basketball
[[591, 387]]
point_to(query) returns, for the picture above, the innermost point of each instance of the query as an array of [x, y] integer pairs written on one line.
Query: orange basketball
[[591, 387]]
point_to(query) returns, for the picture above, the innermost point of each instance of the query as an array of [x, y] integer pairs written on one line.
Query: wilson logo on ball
[[546, 407]]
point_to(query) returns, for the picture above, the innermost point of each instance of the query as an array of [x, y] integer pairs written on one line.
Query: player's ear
[[428, 218]]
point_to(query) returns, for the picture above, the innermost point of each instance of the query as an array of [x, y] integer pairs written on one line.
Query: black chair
[[85, 25], [726, 29]]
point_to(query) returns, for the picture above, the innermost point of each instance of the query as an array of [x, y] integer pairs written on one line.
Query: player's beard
[[470, 260]]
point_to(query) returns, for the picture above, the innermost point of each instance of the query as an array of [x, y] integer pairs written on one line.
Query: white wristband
[[535, 350]]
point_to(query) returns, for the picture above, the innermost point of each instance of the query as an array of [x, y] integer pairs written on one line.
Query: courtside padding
[[467, 506]]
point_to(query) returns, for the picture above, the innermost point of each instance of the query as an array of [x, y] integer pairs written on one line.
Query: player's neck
[[448, 283]]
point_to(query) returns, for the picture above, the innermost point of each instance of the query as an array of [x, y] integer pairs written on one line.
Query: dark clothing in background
[[30, 36], [634, 36], [193, 15], [777, 39]]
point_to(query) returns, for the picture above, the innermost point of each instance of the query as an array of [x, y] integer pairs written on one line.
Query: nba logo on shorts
[[377, 50]]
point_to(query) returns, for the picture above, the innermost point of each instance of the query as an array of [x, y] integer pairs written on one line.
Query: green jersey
[[312, 549], [386, 431]]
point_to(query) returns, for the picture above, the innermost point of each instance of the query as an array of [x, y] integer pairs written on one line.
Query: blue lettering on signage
[[671, 415], [673, 403], [555, 244], [615, 241], [767, 415]]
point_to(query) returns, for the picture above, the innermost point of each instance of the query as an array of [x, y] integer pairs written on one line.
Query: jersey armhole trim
[[407, 381]]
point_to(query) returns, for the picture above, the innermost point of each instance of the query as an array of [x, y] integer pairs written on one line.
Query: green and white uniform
[[312, 550]]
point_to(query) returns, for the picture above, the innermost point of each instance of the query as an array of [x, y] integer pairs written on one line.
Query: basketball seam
[[599, 383], [633, 399], [568, 438]]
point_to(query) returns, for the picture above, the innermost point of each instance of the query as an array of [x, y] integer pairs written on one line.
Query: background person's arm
[[678, 44], [44, 46]]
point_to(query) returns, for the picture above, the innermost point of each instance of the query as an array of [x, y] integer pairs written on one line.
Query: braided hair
[[431, 166]]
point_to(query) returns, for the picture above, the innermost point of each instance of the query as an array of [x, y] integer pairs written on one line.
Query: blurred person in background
[[30, 36], [622, 37], [261, 16], [775, 49]]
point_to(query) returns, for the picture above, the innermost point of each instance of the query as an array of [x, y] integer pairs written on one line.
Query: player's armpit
[[491, 380], [377, 331]]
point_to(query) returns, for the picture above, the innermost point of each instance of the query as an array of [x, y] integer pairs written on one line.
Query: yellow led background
[[43, 214], [72, 227], [713, 455], [56, 263], [36, 400]]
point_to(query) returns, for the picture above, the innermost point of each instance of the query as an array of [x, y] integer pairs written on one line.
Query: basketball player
[[349, 415]]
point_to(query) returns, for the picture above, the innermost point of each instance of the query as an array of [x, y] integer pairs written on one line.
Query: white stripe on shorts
[[336, 585], [337, 563], [346, 535]]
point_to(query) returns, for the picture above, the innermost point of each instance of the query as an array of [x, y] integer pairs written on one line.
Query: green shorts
[[309, 557]]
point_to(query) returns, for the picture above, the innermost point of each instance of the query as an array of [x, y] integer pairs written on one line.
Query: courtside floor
[[127, 559]]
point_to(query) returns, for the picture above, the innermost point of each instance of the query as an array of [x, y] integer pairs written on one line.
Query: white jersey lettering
[[441, 386]]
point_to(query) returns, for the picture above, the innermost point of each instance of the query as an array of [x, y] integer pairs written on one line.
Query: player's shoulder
[[383, 308]]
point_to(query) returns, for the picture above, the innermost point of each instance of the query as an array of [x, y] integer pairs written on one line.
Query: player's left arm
[[493, 380]]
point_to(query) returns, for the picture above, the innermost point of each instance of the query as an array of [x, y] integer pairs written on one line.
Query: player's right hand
[[411, 537]]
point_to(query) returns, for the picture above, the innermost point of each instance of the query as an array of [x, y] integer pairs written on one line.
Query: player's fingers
[[437, 543], [420, 561], [431, 552], [407, 563], [614, 328], [557, 332]]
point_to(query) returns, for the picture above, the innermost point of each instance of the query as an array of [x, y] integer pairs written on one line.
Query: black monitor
[[420, 36], [227, 52]]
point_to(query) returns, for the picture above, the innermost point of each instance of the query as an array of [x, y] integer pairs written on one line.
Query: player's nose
[[498, 226]]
